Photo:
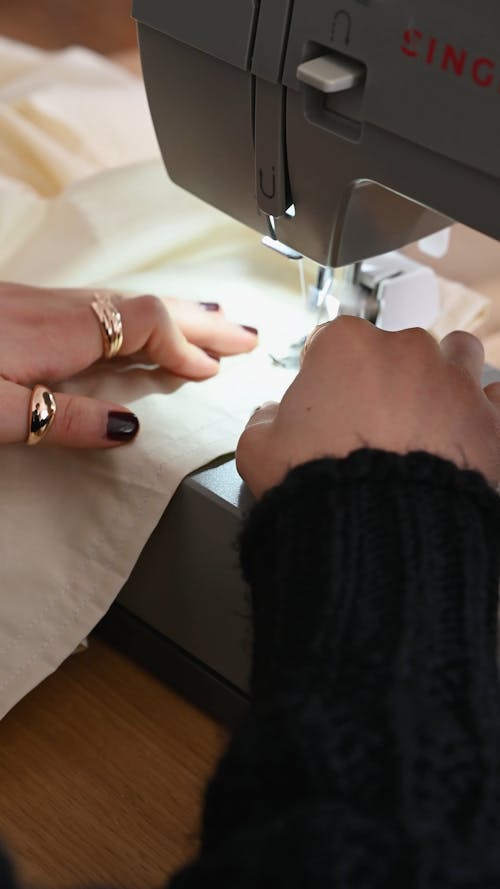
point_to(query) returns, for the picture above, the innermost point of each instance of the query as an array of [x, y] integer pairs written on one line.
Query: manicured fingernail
[[209, 307], [122, 426], [250, 329], [212, 355]]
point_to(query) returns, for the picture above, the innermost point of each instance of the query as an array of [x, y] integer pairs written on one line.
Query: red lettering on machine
[[449, 58]]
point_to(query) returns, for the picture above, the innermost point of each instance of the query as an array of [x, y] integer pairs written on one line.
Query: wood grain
[[102, 770], [102, 25]]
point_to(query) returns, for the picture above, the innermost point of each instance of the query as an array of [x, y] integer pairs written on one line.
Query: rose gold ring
[[41, 415], [110, 322]]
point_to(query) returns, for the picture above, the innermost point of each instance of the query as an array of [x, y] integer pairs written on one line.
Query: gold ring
[[41, 414], [110, 322]]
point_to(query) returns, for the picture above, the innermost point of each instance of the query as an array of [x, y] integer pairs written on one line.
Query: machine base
[[182, 672], [184, 612]]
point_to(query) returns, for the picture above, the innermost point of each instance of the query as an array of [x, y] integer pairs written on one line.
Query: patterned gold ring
[[41, 415], [110, 322]]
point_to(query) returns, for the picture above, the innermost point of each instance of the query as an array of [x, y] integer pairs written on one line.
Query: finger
[[251, 451], [266, 413], [254, 447], [148, 326], [78, 423], [62, 336], [492, 393], [204, 325], [47, 334], [344, 329], [466, 351], [312, 336]]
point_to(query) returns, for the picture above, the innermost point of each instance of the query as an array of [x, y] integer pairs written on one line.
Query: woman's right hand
[[363, 387]]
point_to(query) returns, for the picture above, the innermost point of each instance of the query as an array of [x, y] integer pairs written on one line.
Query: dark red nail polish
[[209, 307], [122, 426], [212, 355], [250, 329]]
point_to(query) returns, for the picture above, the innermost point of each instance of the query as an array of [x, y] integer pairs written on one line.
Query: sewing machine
[[341, 131]]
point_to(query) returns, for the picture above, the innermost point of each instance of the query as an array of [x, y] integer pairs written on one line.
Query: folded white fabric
[[84, 201], [73, 524], [461, 309], [67, 115]]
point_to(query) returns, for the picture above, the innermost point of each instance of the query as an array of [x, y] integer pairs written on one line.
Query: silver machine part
[[338, 131]]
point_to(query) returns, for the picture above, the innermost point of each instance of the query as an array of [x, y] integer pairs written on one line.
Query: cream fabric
[[73, 524], [84, 200], [67, 115], [461, 309]]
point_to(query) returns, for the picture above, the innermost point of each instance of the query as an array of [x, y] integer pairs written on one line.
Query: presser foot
[[391, 291]]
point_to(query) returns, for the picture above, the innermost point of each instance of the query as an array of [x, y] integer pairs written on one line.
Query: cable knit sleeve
[[370, 756]]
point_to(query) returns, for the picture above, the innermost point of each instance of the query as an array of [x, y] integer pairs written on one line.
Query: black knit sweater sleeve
[[370, 756]]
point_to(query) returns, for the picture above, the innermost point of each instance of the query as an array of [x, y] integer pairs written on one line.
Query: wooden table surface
[[102, 770], [103, 25]]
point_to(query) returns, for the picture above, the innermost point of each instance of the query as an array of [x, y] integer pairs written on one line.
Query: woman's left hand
[[49, 335]]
